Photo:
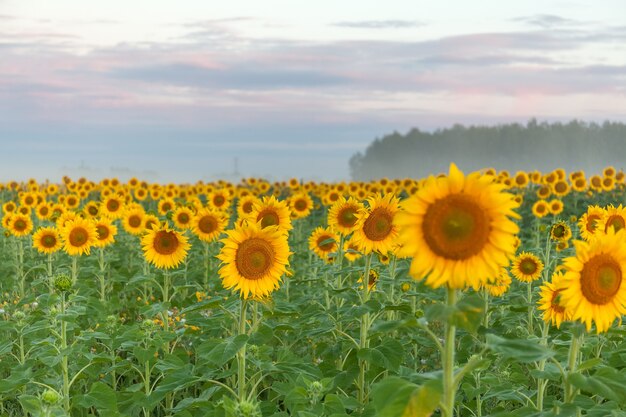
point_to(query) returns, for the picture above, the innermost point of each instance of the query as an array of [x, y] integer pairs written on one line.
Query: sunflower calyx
[[62, 283]]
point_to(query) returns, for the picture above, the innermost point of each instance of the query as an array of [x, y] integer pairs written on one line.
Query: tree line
[[544, 146]]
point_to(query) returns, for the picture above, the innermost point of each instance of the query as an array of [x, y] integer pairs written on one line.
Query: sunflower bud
[[405, 286], [62, 282], [50, 397], [245, 408]]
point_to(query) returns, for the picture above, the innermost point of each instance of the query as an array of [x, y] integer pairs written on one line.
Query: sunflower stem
[[101, 276], [530, 326], [64, 359], [207, 263], [20, 267], [241, 354], [574, 347], [166, 298], [49, 264], [541, 383], [363, 340], [449, 387]]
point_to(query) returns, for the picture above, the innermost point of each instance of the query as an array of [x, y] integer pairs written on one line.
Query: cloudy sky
[[176, 90]]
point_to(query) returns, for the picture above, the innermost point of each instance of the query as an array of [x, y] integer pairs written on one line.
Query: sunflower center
[[333, 197], [456, 227], [219, 200], [28, 201], [600, 279], [615, 221], [378, 224], [166, 207], [183, 218], [555, 302], [113, 205], [20, 225], [247, 207], [347, 217], [300, 205], [254, 258], [528, 266], [44, 211], [268, 218], [93, 210], [560, 187], [48, 241], [134, 221], [103, 232], [592, 222], [207, 224], [165, 243], [558, 231], [78, 236], [325, 243]]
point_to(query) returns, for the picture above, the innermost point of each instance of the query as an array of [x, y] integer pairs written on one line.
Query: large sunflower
[[375, 229], [78, 236], [164, 247], [550, 301], [245, 205], [594, 288], [113, 207], [47, 240], [527, 267], [458, 229], [254, 259], [343, 215], [208, 224]]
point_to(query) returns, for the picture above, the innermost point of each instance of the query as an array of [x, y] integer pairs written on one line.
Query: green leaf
[[226, 350], [30, 404], [395, 397], [102, 397], [522, 350], [469, 312]]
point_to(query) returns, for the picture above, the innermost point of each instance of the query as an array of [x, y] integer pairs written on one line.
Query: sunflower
[[20, 225], [560, 232], [371, 282], [150, 221], [343, 215], [301, 205], [458, 229], [555, 206], [254, 259], [140, 194], [78, 236], [375, 229], [271, 212], [219, 199], [613, 218], [579, 184], [590, 221], [501, 284], [208, 224], [65, 217], [540, 208], [164, 247], [105, 232], [9, 207], [323, 242], [544, 192], [550, 301], [245, 205], [608, 184], [113, 207], [521, 179], [331, 197], [47, 240], [43, 211], [182, 217], [351, 250], [92, 209], [166, 205], [594, 289], [133, 220], [28, 199], [526, 267], [72, 201], [595, 182]]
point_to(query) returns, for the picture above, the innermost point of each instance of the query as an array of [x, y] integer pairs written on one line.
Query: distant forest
[[534, 146]]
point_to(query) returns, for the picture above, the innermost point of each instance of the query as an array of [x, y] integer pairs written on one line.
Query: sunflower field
[[463, 294]]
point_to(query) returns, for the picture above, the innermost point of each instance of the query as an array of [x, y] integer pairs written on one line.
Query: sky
[[180, 91]]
